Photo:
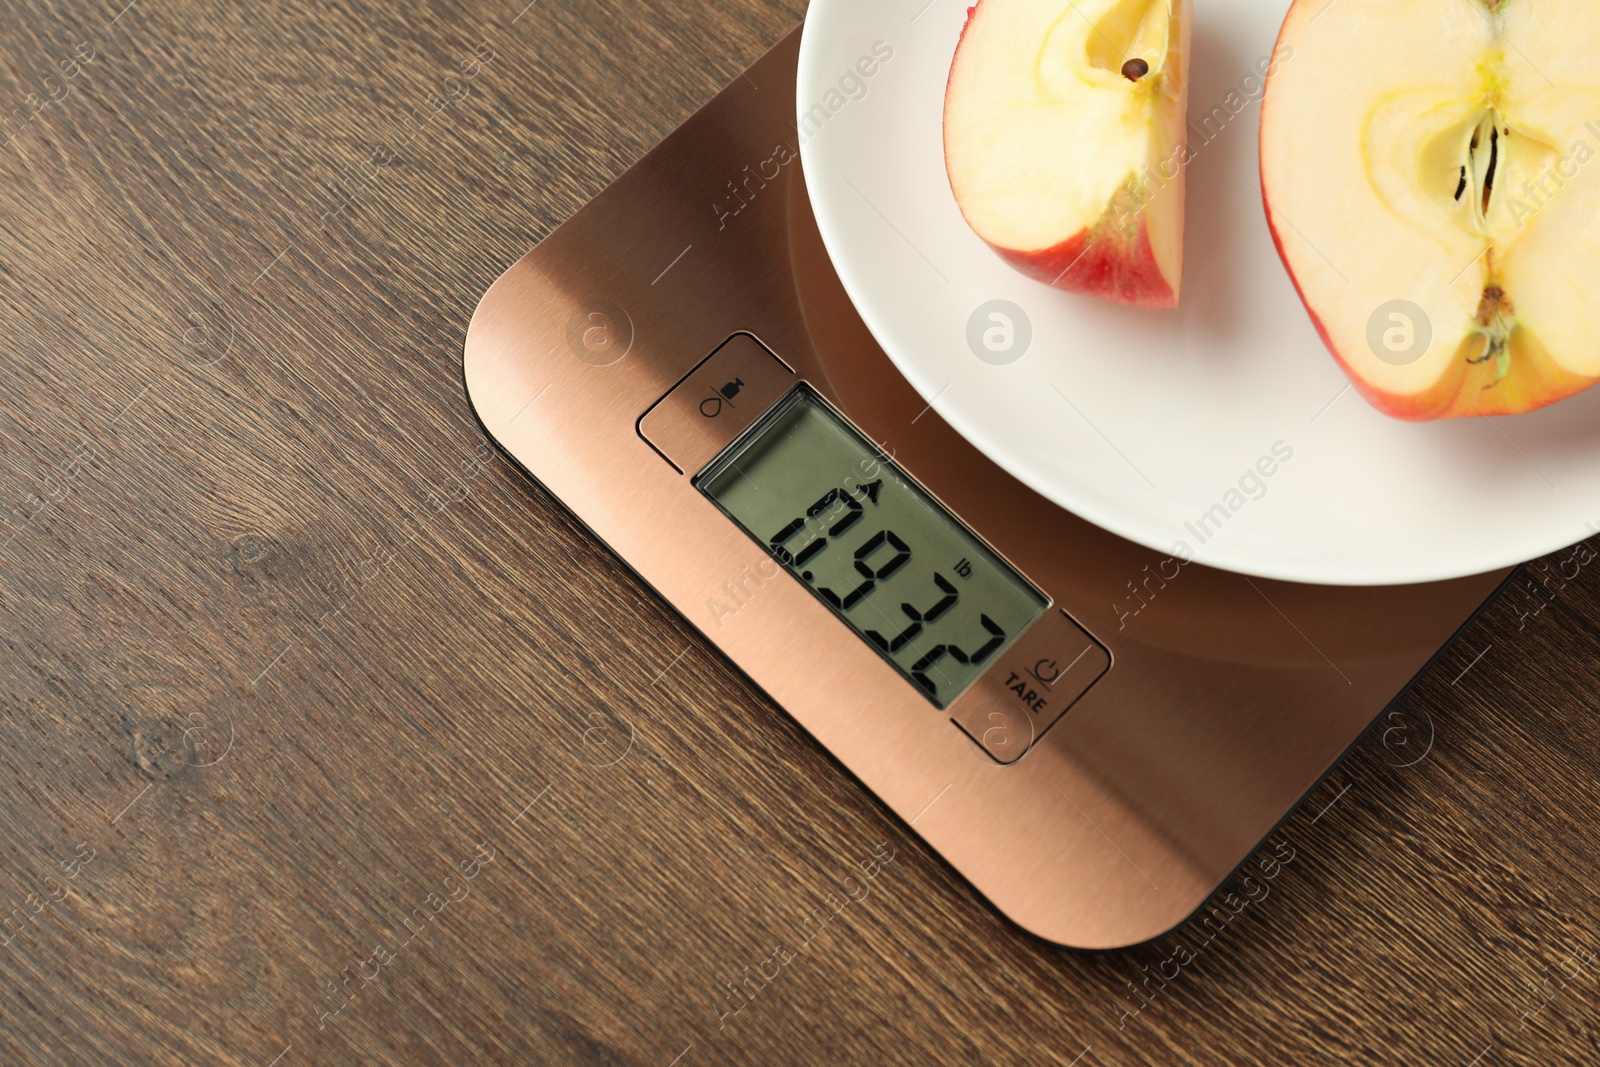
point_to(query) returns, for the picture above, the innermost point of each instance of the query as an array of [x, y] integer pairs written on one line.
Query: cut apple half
[[1429, 172], [1064, 141]]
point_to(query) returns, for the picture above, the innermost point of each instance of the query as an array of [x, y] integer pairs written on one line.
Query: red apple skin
[[1105, 267], [1122, 272]]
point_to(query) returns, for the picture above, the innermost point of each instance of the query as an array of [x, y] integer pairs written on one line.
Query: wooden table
[[329, 738]]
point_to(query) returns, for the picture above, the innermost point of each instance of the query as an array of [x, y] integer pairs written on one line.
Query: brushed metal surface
[[1037, 681], [1227, 700], [696, 420]]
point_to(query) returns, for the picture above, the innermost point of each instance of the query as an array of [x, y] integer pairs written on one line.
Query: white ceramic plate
[[1146, 422]]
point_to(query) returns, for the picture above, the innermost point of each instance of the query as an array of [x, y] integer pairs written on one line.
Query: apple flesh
[[1064, 128], [1438, 152]]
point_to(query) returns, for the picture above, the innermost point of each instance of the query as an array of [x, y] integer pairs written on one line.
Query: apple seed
[[1483, 167], [1134, 69]]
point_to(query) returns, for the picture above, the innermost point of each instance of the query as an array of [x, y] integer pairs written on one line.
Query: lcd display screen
[[900, 571]]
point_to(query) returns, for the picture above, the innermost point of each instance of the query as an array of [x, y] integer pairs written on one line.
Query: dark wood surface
[[329, 738]]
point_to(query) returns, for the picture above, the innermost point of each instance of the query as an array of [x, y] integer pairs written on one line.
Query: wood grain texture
[[289, 652]]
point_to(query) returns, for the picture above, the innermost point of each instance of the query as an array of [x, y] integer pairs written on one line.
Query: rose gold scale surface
[[1106, 772]]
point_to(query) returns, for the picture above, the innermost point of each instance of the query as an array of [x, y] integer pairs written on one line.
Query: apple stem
[[1495, 323]]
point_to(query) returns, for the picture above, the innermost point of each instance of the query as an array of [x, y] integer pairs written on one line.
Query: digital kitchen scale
[[1093, 734]]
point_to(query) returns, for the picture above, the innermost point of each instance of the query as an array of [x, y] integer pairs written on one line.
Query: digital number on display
[[891, 562]]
